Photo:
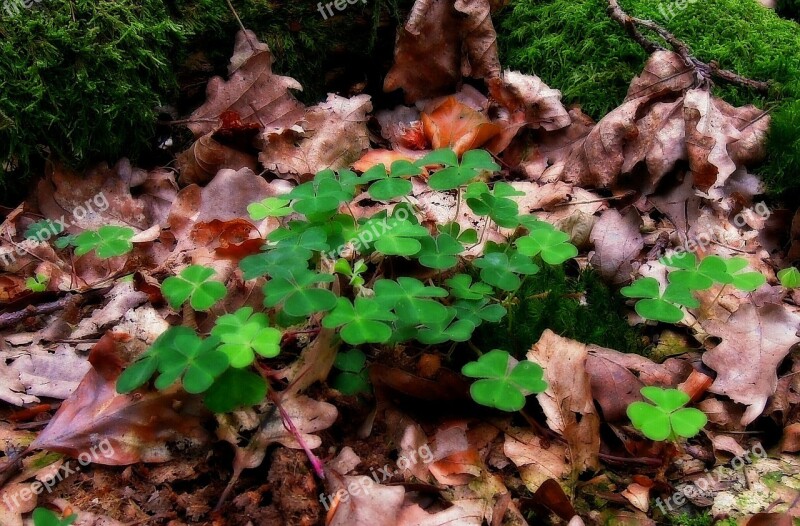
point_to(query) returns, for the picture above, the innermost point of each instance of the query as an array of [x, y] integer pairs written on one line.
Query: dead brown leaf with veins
[[755, 340]]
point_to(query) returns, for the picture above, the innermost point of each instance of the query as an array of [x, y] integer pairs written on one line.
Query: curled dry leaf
[[201, 162], [538, 460], [530, 101], [456, 125], [333, 135], [752, 335], [253, 91], [568, 395]]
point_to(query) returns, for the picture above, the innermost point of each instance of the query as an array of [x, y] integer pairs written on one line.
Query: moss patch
[[583, 308], [575, 47]]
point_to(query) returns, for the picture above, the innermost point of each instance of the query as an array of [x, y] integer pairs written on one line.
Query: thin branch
[[704, 71]]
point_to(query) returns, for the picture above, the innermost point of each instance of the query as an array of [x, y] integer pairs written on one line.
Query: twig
[[704, 71], [9, 319]]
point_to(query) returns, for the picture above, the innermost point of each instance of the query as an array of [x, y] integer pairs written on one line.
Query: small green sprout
[[243, 334], [502, 385], [789, 277], [269, 207], [656, 306], [343, 267], [354, 378], [194, 283], [454, 174], [37, 283], [666, 418], [45, 517], [108, 241]]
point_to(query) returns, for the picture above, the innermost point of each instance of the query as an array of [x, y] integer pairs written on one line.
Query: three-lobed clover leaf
[[393, 183], [194, 283], [453, 229], [233, 389], [744, 281], [657, 306], [354, 378], [45, 517], [243, 334], [694, 276], [478, 311], [354, 271], [440, 252], [37, 283], [269, 207], [178, 354], [320, 197], [362, 322], [411, 299], [501, 271], [454, 174], [401, 239], [553, 245], [274, 261], [461, 287], [108, 241], [789, 277], [495, 203], [666, 417], [502, 385], [44, 229], [296, 289]]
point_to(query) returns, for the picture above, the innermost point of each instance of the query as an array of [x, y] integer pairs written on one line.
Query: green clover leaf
[[789, 277], [183, 355], [495, 203], [453, 229], [138, 373], [296, 289], [478, 311], [243, 334], [461, 287], [401, 239], [37, 283], [354, 378], [500, 270], [193, 283], [342, 266], [45, 517], [454, 175], [390, 184], [320, 197], [235, 388], [553, 245], [744, 281], [439, 252], [692, 276], [274, 261], [364, 322], [664, 418], [410, 298], [502, 386], [449, 329], [44, 229], [269, 207], [657, 306], [108, 241]]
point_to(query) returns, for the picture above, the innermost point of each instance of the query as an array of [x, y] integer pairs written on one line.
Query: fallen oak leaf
[[205, 157], [133, 427], [456, 125]]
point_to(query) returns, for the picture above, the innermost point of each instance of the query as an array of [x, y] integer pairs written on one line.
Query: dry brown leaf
[[205, 157], [387, 157], [637, 495], [752, 335], [617, 243], [451, 39], [456, 125], [136, 426], [530, 101], [464, 512], [538, 460], [16, 499], [568, 395], [361, 502], [333, 135], [253, 91]]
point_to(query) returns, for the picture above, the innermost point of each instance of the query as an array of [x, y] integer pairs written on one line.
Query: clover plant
[[194, 283], [660, 305], [502, 383], [37, 283], [45, 517], [666, 418], [108, 241], [354, 378], [44, 229], [789, 277]]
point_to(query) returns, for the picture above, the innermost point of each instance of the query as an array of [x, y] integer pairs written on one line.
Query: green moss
[[685, 519], [575, 47], [82, 78], [582, 308]]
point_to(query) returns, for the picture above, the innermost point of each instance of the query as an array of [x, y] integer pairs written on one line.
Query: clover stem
[[316, 463], [719, 294], [474, 348], [458, 204]]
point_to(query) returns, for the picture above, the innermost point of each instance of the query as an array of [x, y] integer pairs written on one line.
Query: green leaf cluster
[[666, 417]]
